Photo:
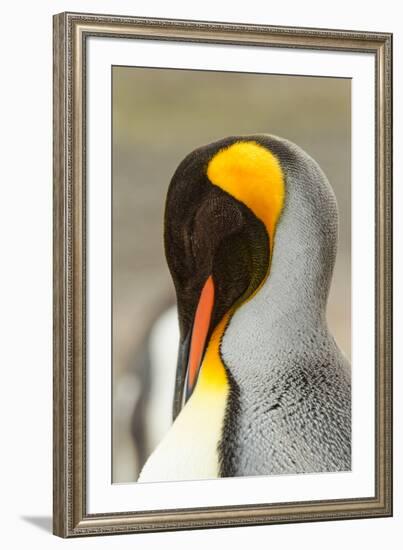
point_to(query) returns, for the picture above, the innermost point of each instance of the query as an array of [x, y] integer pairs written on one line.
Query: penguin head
[[224, 207]]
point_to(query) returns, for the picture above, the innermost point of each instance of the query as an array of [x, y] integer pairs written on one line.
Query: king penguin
[[262, 388]]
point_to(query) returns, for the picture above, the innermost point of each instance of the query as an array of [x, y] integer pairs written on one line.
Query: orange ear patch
[[253, 175]]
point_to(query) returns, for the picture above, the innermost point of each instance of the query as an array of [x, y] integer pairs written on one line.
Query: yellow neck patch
[[212, 377], [253, 175]]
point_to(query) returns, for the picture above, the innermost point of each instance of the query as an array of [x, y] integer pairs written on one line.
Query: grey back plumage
[[292, 380]]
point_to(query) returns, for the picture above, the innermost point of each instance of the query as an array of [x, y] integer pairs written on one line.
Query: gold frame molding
[[71, 31]]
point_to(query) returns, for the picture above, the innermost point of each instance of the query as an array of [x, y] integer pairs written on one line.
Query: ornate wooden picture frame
[[72, 33]]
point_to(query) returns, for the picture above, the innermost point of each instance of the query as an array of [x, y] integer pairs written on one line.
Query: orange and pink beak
[[201, 325]]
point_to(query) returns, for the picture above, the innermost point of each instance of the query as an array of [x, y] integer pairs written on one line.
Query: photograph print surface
[[231, 274]]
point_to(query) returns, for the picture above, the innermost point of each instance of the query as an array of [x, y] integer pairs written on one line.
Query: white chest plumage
[[190, 448]]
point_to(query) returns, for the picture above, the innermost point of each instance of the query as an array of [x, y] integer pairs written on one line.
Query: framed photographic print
[[222, 274]]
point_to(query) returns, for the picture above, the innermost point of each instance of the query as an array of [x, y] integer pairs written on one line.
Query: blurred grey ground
[[160, 115]]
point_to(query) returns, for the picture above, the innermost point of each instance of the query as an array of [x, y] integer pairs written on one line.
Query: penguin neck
[[291, 303], [298, 282], [304, 252]]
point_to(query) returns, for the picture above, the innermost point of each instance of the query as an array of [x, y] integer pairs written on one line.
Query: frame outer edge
[[384, 427], [69, 492], [388, 268], [59, 280]]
